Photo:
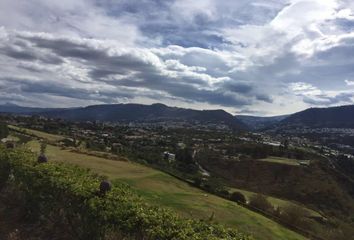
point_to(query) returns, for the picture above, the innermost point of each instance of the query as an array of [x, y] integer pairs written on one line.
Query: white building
[[169, 156]]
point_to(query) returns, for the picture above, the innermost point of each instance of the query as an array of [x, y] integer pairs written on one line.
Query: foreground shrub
[[69, 194]]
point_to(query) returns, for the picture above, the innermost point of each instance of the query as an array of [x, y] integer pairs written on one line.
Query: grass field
[[282, 160], [163, 190], [276, 202], [47, 136]]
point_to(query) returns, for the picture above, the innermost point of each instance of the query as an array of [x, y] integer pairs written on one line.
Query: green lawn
[[162, 189], [47, 136]]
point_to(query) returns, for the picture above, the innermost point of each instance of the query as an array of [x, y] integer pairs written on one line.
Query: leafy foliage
[[238, 197], [261, 202], [71, 194], [294, 215]]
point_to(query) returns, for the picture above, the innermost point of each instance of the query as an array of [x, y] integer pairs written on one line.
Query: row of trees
[[259, 150], [4, 130]]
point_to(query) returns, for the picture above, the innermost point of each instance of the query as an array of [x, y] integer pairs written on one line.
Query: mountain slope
[[164, 190], [134, 113], [13, 108], [258, 123], [146, 113], [332, 117]]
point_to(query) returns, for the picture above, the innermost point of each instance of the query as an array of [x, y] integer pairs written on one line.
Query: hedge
[[71, 194]]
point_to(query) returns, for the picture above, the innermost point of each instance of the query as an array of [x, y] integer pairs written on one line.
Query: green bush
[[238, 197], [56, 190], [294, 215], [261, 202]]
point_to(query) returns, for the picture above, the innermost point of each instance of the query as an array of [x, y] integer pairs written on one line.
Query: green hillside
[[163, 190], [48, 196]]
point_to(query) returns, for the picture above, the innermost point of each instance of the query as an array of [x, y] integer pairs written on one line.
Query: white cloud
[[303, 88], [231, 54], [100, 71], [314, 96], [302, 13], [349, 83], [66, 17]]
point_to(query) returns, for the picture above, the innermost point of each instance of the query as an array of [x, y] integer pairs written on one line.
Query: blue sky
[[262, 57]]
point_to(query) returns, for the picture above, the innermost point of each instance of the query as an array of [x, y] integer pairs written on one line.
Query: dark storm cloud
[[98, 57], [237, 87], [19, 54], [345, 24], [264, 98], [66, 48], [324, 100], [186, 91], [338, 53], [27, 55], [191, 24], [28, 85], [147, 72]]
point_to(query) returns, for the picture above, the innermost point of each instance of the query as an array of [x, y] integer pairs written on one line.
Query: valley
[[164, 190], [279, 182]]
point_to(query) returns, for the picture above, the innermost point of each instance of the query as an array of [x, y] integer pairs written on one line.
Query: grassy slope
[[282, 160], [48, 136], [276, 202], [162, 189]]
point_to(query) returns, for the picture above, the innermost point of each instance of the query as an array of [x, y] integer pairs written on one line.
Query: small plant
[[105, 186], [42, 157]]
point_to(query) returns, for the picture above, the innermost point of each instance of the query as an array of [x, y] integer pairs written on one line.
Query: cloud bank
[[263, 57]]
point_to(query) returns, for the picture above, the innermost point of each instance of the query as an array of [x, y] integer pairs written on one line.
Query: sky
[[260, 57]]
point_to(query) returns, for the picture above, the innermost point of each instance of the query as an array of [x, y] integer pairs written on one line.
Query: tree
[[4, 130], [43, 148], [294, 215], [238, 197], [185, 161], [214, 185], [261, 202], [198, 181], [185, 156]]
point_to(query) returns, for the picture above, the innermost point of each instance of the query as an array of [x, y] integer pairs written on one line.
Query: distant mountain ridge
[[13, 108], [134, 112], [332, 117], [259, 123]]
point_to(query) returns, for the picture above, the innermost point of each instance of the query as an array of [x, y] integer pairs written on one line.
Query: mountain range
[[259, 123], [13, 108], [339, 117], [332, 117], [132, 112]]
